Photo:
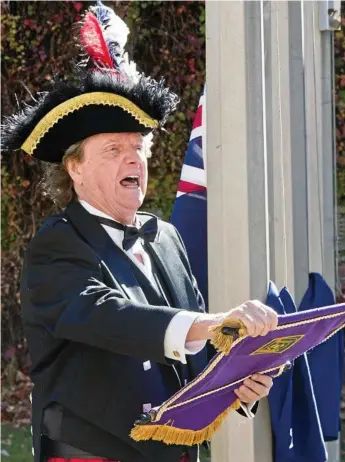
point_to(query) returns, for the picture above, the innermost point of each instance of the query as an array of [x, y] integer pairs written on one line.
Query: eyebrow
[[107, 143], [139, 144]]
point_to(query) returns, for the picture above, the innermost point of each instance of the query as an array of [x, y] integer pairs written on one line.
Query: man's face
[[113, 172]]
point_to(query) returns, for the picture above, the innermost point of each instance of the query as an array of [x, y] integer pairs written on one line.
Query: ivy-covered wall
[[167, 39]]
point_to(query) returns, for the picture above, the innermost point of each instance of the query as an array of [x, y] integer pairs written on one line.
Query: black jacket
[[90, 326]]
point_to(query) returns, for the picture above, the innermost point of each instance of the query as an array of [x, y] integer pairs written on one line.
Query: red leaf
[[78, 6]]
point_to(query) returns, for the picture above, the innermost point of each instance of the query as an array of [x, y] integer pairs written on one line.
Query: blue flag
[[326, 361]]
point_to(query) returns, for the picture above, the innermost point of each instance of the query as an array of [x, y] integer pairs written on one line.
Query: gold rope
[[78, 102], [191, 384], [333, 333], [280, 370], [173, 435]]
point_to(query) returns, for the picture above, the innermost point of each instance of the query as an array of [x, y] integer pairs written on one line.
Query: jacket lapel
[[112, 257], [162, 251]]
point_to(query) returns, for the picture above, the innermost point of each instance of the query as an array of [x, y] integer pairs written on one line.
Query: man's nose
[[134, 157]]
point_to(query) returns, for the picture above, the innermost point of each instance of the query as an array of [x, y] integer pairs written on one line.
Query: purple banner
[[194, 413]]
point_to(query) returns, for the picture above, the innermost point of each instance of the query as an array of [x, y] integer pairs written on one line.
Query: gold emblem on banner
[[278, 345]]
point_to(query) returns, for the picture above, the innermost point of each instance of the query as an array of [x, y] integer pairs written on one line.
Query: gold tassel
[[223, 342], [172, 435]]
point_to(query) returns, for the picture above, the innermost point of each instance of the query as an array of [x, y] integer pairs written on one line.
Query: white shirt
[[175, 345]]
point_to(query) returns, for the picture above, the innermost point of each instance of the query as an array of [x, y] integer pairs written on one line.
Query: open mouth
[[131, 181]]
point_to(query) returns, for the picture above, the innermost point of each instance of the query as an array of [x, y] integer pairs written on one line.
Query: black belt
[[58, 449]]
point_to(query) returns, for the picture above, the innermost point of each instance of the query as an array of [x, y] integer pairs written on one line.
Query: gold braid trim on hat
[[78, 102]]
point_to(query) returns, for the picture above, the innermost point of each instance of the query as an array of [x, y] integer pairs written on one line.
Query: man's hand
[[258, 319], [254, 388]]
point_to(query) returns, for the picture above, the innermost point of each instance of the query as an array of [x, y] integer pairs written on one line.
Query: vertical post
[[280, 190], [298, 151], [237, 190], [312, 83], [328, 157]]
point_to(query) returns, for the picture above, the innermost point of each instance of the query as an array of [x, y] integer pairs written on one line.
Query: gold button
[[176, 354]]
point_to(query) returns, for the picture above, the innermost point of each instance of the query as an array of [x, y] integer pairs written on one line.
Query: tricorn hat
[[108, 96]]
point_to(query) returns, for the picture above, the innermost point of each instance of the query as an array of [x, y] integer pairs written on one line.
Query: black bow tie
[[147, 232]]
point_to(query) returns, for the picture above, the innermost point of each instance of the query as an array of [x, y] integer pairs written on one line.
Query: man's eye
[[112, 149]]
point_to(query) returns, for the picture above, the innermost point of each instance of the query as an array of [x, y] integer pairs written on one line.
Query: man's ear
[[74, 169]]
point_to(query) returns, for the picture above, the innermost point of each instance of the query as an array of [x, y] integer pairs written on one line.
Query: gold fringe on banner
[[223, 342], [172, 435]]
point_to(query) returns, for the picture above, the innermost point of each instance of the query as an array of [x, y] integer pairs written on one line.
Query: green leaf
[[342, 95]]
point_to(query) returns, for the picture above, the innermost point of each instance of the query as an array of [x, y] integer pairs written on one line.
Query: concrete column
[[328, 158], [278, 114], [237, 190], [312, 89], [298, 151]]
